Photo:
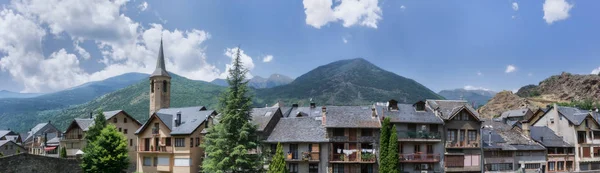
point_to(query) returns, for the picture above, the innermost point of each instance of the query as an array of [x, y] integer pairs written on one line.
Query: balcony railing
[[354, 157], [419, 135], [304, 156], [159, 149], [419, 157], [155, 131], [462, 144]]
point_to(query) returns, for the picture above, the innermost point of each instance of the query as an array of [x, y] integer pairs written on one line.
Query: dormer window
[[419, 106], [392, 105]]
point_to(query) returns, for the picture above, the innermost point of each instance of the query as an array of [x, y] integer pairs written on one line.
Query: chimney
[[525, 127], [178, 120], [49, 121], [313, 105], [374, 113], [323, 115], [542, 139], [91, 114]]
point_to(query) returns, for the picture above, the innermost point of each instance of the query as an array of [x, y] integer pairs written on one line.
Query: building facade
[[38, 135]]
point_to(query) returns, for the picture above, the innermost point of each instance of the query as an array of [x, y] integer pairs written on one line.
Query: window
[[182, 161], [452, 135], [433, 128], [124, 120], [179, 142], [472, 135], [152, 86], [163, 161], [596, 134], [462, 135], [417, 148], [423, 166], [560, 166], [338, 132], [551, 166], [164, 86], [552, 120], [586, 123], [293, 167], [168, 141], [401, 150], [155, 161], [499, 167], [206, 125], [197, 141], [560, 117], [125, 131], [191, 142], [147, 161], [119, 128], [338, 168], [366, 132], [366, 168], [294, 150], [429, 149], [115, 120], [313, 168], [519, 153], [130, 142]]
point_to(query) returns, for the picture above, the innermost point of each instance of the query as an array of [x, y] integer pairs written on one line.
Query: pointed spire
[[160, 63]]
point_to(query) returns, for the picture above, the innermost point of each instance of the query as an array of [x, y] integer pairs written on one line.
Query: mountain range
[[476, 97], [260, 82], [10, 94], [345, 82]]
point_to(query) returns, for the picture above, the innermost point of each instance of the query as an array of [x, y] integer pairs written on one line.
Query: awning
[[79, 152], [50, 148]]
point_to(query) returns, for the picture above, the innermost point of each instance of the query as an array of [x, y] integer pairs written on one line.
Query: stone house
[[9, 147]]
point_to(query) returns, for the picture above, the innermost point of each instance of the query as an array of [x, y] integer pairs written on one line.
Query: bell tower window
[[164, 86], [152, 86]]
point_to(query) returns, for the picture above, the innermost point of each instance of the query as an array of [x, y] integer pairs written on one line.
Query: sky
[[51, 45]]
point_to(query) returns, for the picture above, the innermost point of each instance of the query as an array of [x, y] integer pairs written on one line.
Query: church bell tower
[[160, 84]]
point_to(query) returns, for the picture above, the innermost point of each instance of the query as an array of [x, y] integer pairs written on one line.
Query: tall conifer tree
[[227, 143], [384, 139], [392, 152], [278, 162]]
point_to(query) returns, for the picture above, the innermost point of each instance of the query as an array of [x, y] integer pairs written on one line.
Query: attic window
[[552, 120], [420, 106]]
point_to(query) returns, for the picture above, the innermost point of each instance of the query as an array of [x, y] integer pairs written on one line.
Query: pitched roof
[[406, 113], [505, 138], [6, 132], [191, 118], [447, 108], [84, 123], [110, 114], [547, 137], [298, 129], [262, 116], [305, 111], [574, 115], [351, 117], [39, 129], [514, 113], [160, 70]]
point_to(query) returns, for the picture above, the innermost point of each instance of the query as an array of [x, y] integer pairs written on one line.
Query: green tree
[[384, 139], [94, 130], [18, 151], [227, 143], [63, 152], [107, 153], [392, 158], [278, 162]]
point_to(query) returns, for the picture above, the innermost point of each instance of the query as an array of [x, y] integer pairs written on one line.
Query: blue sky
[[50, 45]]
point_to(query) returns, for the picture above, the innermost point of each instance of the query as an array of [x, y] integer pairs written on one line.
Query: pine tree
[[107, 153], [278, 162], [392, 158], [384, 139], [63, 152], [227, 143], [94, 130]]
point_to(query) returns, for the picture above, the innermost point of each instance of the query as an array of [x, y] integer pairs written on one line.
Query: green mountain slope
[[134, 99], [347, 82]]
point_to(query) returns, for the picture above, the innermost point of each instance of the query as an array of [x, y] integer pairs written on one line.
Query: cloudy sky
[[50, 45]]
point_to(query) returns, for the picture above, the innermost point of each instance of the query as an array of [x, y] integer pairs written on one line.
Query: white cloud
[[596, 71], [510, 69], [479, 73], [515, 6], [268, 58], [143, 6], [344, 40], [351, 12], [247, 62], [402, 7], [556, 10], [125, 46], [469, 87]]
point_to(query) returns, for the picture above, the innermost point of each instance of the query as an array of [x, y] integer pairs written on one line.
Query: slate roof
[[84, 123], [110, 114], [191, 118], [39, 129], [503, 137], [351, 117], [574, 115], [550, 139], [406, 113], [305, 111], [448, 108], [298, 129], [262, 116], [5, 132], [160, 70], [2, 142], [515, 113]]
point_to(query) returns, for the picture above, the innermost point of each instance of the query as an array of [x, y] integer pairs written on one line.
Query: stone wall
[[28, 163]]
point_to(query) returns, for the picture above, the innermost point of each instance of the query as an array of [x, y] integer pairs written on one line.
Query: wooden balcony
[[352, 158], [419, 136], [152, 149], [463, 144], [304, 157], [419, 158]]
